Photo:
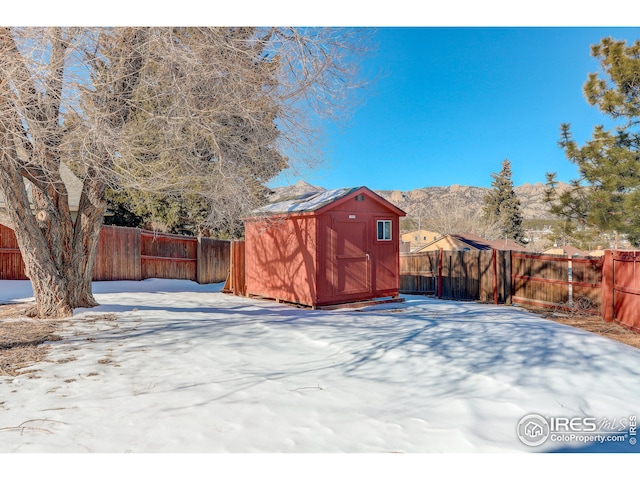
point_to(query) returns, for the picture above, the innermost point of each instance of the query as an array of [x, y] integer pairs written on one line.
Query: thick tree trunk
[[48, 278], [61, 282], [85, 240], [61, 268], [50, 289]]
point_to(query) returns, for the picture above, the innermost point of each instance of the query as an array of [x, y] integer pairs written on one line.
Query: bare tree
[[211, 111], [453, 216]]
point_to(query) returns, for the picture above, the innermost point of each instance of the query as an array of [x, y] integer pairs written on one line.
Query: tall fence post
[[507, 275], [570, 280], [440, 273], [607, 286], [494, 261], [200, 267]]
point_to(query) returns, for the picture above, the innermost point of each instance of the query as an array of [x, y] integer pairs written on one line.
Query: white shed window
[[384, 229]]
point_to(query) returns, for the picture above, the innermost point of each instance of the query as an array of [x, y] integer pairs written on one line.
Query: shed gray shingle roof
[[309, 202]]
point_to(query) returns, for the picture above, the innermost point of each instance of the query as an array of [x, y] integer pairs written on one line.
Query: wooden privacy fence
[[133, 254], [497, 276], [458, 275], [608, 285], [557, 281], [621, 288]]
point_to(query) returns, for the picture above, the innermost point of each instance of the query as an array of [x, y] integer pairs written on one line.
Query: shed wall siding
[[281, 259], [326, 239], [386, 273]]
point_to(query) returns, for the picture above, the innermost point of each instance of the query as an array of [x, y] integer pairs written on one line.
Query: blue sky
[[463, 85], [452, 103]]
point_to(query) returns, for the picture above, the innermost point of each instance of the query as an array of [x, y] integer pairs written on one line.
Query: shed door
[[353, 272]]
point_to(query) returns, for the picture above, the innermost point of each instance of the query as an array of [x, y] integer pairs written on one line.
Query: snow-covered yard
[[173, 366]]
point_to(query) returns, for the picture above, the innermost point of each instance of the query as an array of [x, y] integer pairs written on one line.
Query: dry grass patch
[[609, 330], [595, 324], [22, 339]]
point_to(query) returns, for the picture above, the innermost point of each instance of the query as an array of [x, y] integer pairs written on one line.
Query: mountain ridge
[[411, 201]]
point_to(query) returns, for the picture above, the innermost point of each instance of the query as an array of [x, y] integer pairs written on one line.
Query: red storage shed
[[327, 248]]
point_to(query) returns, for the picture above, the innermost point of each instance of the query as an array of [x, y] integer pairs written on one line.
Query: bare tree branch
[[190, 112]]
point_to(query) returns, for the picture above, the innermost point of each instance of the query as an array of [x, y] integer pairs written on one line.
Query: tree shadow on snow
[[454, 349]]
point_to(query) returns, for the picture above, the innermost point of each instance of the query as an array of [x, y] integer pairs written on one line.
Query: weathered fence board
[[11, 264], [236, 282], [419, 273], [461, 271], [168, 256], [213, 260], [503, 287], [118, 254], [539, 280]]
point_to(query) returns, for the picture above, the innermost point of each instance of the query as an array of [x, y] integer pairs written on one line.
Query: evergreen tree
[[607, 193], [502, 204]]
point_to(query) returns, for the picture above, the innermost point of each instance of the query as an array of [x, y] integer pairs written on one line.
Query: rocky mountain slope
[[429, 198]]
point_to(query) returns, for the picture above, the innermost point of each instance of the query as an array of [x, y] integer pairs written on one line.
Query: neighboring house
[[419, 238], [74, 189], [470, 242], [566, 250], [325, 248]]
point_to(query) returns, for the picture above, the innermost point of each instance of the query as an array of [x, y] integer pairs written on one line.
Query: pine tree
[[607, 193], [502, 204]]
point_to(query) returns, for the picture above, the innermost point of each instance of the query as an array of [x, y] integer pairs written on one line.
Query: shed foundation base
[[355, 304], [360, 304]]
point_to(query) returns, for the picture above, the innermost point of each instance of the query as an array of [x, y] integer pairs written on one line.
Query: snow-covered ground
[[173, 366]]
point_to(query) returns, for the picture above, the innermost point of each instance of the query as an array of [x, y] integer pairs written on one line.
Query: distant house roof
[[475, 242], [421, 233], [566, 250], [314, 201], [484, 244]]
